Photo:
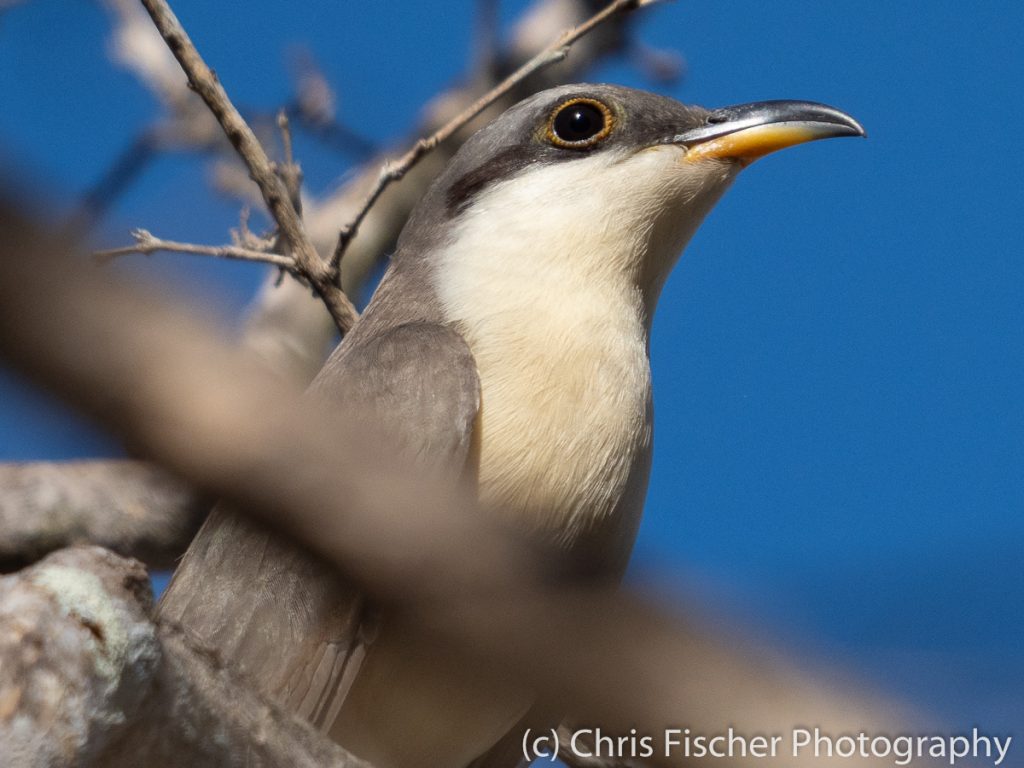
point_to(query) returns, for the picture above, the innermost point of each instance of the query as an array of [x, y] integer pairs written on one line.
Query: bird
[[508, 344]]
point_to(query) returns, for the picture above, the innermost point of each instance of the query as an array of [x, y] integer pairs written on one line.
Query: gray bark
[[87, 679], [129, 507]]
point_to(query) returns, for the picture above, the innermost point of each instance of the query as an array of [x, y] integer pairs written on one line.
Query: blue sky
[[837, 358]]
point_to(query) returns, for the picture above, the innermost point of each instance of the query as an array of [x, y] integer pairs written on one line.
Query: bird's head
[[605, 180]]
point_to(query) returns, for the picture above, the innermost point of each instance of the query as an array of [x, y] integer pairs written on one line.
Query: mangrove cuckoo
[[509, 340]]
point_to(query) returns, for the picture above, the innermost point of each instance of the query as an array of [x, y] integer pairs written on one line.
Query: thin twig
[[553, 53], [289, 172], [322, 274], [286, 136], [244, 237], [146, 243]]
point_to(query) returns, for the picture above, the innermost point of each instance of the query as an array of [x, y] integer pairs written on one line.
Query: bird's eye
[[579, 124]]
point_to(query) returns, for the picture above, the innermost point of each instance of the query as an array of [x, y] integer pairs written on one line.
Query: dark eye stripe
[[468, 186], [502, 165], [537, 145]]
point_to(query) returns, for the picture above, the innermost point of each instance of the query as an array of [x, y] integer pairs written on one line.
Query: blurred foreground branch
[[165, 384]]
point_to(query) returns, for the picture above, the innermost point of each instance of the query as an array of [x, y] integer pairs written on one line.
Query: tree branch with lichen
[[87, 678]]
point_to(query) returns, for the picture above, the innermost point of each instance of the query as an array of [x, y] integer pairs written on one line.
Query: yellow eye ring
[[579, 123]]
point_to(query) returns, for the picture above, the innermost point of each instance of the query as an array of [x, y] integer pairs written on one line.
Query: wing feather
[[277, 614]]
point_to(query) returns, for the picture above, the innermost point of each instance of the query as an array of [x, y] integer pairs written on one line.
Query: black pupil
[[578, 122]]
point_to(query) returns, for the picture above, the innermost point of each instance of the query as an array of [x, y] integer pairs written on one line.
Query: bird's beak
[[749, 131]]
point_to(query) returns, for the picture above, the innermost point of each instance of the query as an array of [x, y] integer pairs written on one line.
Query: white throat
[[555, 305]]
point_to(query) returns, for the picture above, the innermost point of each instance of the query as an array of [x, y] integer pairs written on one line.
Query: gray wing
[[421, 383], [278, 615]]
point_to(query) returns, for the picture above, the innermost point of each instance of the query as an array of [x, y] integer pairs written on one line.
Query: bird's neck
[[560, 339]]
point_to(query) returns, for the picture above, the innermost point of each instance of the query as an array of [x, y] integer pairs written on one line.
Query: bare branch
[[289, 171], [129, 507], [244, 237], [553, 53], [146, 244], [202, 79]]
